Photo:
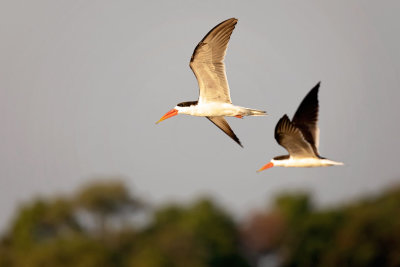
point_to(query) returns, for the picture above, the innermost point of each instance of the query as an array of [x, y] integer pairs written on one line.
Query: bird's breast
[[305, 162], [215, 109]]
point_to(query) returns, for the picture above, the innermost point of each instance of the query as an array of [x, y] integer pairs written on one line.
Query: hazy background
[[83, 82]]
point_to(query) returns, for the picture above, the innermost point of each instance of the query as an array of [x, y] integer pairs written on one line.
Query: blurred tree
[[308, 240], [78, 251], [365, 234], [269, 233], [106, 199], [200, 235], [262, 233], [51, 232], [371, 234], [6, 252], [42, 220], [294, 207]]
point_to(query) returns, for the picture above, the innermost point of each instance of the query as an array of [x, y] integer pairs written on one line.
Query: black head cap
[[187, 104]]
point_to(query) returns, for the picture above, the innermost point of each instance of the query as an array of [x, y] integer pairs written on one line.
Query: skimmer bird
[[300, 137], [214, 101]]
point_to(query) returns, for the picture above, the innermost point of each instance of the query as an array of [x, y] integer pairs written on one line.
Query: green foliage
[[294, 207], [371, 234], [361, 235], [105, 198], [310, 238], [55, 233], [200, 235], [60, 232], [74, 251], [42, 220]]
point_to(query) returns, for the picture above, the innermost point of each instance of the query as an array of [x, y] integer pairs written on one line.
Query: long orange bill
[[266, 166], [169, 114]]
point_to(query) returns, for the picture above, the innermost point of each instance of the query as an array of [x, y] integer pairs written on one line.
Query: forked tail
[[255, 112], [328, 162]]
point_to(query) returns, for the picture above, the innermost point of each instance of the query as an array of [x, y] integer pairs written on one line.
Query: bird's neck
[[189, 110], [280, 162]]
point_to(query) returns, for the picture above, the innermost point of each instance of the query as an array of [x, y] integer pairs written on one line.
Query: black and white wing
[[292, 139], [207, 63], [306, 118], [221, 123]]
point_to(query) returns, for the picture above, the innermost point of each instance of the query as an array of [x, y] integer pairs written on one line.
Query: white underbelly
[[308, 162], [217, 109]]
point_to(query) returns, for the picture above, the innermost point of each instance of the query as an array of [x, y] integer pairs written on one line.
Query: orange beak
[[169, 114], [266, 166]]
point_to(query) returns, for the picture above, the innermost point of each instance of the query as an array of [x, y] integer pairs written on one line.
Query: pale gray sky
[[83, 82]]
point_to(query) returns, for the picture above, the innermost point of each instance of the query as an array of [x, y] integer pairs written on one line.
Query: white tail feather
[[255, 112]]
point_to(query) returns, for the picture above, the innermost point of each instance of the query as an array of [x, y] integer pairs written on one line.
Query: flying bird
[[300, 137], [207, 64]]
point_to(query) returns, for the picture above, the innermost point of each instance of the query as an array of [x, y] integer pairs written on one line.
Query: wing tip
[[285, 117], [234, 19], [316, 87], [240, 144], [235, 138], [230, 23], [284, 120], [220, 122]]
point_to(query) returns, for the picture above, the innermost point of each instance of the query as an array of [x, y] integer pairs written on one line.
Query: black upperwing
[[292, 139], [306, 118], [221, 123]]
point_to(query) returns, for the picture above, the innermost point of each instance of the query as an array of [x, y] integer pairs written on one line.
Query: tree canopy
[[90, 228]]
